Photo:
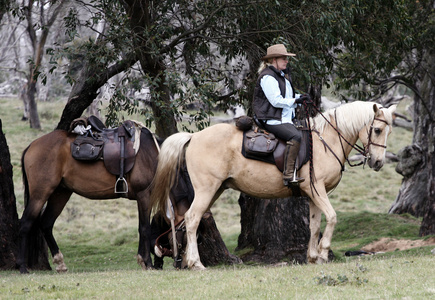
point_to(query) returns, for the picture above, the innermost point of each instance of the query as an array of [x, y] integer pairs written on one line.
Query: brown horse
[[214, 162], [51, 175]]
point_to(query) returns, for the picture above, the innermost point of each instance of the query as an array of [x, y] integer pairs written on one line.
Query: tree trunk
[[417, 162], [9, 225], [274, 230], [140, 15], [211, 247], [33, 109], [85, 89]]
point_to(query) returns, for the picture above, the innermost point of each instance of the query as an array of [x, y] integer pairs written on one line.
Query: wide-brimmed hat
[[277, 51]]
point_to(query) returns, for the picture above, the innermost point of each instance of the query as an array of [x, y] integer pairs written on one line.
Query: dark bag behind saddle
[[259, 143], [87, 147]]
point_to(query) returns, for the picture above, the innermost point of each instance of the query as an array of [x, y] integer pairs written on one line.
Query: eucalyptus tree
[[181, 53], [40, 17]]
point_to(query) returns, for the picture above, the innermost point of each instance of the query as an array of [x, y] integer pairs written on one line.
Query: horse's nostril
[[378, 165]]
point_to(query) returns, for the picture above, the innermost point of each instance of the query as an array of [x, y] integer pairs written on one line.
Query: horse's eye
[[377, 130]]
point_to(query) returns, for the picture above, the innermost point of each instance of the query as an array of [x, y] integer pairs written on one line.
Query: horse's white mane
[[351, 117]]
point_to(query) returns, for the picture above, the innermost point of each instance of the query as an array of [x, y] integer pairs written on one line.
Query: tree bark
[[85, 89], [33, 108], [9, 225], [274, 230], [211, 247], [141, 14], [417, 161]]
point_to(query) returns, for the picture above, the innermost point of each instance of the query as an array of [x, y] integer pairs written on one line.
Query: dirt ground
[[389, 244]]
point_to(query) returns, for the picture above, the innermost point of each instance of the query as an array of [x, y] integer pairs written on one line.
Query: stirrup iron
[[121, 186]]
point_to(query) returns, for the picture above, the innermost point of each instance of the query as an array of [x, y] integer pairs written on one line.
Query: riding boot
[[290, 155]]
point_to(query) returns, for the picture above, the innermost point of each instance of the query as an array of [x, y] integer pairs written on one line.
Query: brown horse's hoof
[[141, 262], [62, 268], [58, 260]]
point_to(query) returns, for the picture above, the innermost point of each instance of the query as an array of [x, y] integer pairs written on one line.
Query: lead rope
[[171, 210]]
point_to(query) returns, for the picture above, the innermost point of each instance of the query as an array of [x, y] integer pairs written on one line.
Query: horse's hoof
[[311, 260], [62, 268], [58, 258], [23, 270], [198, 268], [321, 261]]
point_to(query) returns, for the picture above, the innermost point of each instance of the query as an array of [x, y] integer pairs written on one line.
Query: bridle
[[364, 151], [369, 139]]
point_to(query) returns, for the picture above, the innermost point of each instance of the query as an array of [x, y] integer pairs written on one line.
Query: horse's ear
[[375, 109], [392, 109]]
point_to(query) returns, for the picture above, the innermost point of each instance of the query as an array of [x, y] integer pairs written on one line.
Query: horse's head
[[374, 136]]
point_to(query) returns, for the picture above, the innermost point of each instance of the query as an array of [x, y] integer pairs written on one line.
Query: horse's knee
[[25, 226], [331, 219]]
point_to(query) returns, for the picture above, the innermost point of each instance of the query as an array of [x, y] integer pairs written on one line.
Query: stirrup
[[294, 180], [121, 186]]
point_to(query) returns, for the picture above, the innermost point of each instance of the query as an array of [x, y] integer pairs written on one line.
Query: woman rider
[[274, 106]]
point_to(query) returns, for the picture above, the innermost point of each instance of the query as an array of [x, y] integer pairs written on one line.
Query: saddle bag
[[87, 148], [259, 143]]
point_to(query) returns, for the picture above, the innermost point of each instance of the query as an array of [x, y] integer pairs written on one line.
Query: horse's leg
[[144, 250], [55, 205], [315, 220], [201, 202], [320, 199], [27, 220]]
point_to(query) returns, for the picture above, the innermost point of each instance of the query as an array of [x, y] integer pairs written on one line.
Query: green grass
[[99, 242], [397, 277]]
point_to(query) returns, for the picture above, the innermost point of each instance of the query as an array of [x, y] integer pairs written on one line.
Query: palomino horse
[[51, 175], [214, 162]]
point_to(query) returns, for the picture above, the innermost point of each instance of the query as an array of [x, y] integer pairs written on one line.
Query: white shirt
[[271, 89]]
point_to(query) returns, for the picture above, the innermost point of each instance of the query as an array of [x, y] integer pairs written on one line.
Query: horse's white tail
[[170, 157]]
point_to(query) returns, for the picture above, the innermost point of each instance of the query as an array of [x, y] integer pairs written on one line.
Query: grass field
[[99, 242]]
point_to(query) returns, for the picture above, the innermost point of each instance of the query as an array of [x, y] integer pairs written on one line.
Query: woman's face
[[280, 63]]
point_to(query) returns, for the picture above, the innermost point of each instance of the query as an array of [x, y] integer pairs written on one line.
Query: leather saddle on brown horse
[[261, 145], [113, 145]]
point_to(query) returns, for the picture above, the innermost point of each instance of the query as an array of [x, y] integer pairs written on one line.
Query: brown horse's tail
[[25, 182], [171, 156]]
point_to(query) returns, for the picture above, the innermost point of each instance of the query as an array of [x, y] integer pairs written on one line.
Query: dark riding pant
[[285, 131]]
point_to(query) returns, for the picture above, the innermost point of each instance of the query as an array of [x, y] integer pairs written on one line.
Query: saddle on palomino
[[114, 145], [262, 145]]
